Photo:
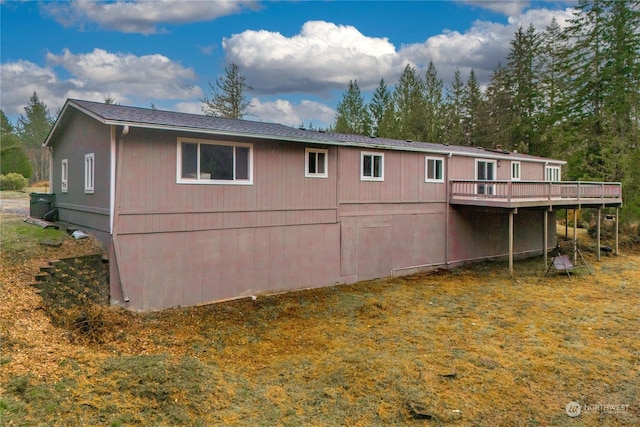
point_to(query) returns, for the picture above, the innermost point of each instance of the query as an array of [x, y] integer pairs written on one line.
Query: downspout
[[116, 182]]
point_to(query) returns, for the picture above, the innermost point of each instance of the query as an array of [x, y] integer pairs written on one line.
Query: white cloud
[[322, 57], [93, 76], [287, 113], [148, 76], [142, 16], [506, 7], [325, 56], [481, 47]]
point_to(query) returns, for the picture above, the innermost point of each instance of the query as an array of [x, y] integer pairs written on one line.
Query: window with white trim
[[89, 173], [64, 179], [552, 173], [371, 166], [210, 162], [434, 169], [515, 171], [315, 163]]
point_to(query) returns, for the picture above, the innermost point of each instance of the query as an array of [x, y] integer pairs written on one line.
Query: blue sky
[[299, 56]]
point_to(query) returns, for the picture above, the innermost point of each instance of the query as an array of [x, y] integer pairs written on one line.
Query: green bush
[[13, 157], [13, 181]]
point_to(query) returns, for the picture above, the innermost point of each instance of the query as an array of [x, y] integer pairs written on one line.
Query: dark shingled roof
[[150, 118]]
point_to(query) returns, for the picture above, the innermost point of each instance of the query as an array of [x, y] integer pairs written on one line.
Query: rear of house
[[196, 209]]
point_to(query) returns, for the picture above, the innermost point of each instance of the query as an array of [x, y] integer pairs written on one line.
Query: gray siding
[[83, 135]]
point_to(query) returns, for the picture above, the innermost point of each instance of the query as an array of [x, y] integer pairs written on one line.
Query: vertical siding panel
[[292, 256], [244, 262], [193, 266], [211, 265], [228, 284], [276, 257], [261, 259]]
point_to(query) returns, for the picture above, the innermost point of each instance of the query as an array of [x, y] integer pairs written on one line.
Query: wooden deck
[[514, 194]]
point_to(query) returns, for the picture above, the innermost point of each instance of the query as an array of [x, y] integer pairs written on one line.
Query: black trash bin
[[40, 204]]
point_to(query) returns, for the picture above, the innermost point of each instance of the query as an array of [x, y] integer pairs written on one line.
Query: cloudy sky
[[298, 56]]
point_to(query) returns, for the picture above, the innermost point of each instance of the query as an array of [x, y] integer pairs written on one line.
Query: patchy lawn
[[469, 346]]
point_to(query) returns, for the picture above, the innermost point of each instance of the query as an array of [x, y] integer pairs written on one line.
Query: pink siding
[[178, 269], [182, 244]]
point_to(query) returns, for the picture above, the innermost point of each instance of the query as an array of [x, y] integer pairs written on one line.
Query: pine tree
[[351, 113], [409, 100], [500, 110], [454, 130], [434, 105], [552, 86], [32, 129], [379, 106], [229, 95], [13, 157], [472, 112], [523, 71]]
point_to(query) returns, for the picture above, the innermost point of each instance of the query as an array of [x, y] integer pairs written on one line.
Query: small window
[[315, 164], [552, 173], [64, 180], [206, 162], [89, 173], [372, 167], [515, 171], [434, 170]]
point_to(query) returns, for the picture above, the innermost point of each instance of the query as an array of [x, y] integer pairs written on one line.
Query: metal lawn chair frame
[[562, 262]]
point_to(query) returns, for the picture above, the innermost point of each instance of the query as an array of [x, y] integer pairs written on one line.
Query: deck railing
[[512, 191]]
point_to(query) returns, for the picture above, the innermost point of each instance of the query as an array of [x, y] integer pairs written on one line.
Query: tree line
[[570, 93]]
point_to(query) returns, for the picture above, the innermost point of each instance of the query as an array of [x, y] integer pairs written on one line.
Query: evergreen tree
[[229, 95], [523, 74], [351, 113], [552, 85], [380, 105], [409, 100], [472, 112], [454, 129], [434, 105], [500, 111], [32, 129], [13, 157]]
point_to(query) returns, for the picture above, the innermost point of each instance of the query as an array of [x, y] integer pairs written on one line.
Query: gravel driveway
[[14, 203]]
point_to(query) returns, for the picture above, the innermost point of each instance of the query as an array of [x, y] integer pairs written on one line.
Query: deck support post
[[598, 234], [616, 218], [575, 234], [511, 212], [545, 237]]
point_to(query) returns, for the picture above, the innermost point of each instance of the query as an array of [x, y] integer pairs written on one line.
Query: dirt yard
[[470, 346]]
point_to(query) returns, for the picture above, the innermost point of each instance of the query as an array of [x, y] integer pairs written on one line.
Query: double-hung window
[[434, 170], [89, 173], [552, 173], [515, 171], [212, 162], [315, 163], [64, 179], [371, 166]]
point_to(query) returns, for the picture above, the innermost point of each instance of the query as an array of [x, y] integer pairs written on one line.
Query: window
[[315, 163], [206, 162], [515, 171], [372, 167], [552, 173], [89, 172], [434, 171], [485, 171], [64, 180]]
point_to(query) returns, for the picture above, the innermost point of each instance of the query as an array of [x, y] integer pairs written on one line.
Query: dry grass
[[470, 346]]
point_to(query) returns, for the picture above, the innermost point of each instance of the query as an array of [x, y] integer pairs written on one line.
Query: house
[[195, 209]]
